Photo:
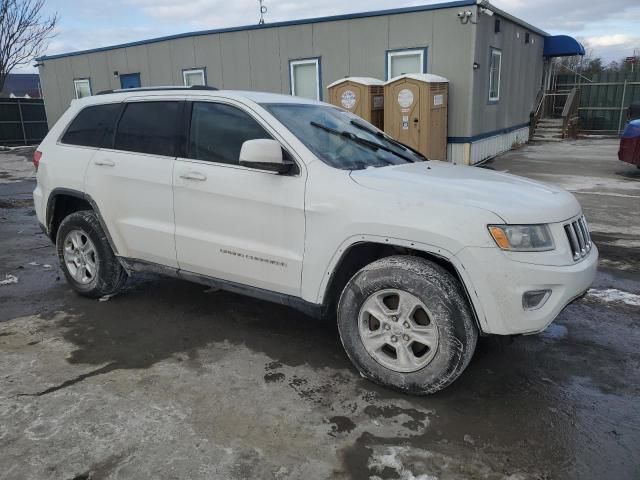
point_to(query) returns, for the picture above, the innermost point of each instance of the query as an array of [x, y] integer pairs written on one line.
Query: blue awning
[[562, 46]]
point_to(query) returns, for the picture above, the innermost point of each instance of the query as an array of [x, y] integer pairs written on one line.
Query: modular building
[[493, 61]]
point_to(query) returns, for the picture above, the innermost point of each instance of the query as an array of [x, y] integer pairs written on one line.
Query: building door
[[405, 104], [130, 80]]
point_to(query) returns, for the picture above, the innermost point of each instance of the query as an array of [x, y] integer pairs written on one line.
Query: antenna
[[263, 10]]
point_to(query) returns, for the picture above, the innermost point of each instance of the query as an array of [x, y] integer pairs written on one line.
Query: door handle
[[200, 177], [105, 162]]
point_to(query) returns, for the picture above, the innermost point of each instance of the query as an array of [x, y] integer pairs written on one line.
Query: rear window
[[149, 127], [93, 126]]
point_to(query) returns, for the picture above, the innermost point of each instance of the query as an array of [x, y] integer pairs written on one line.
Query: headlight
[[522, 238]]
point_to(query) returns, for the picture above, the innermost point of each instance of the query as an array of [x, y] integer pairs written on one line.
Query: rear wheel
[[405, 323], [86, 258]]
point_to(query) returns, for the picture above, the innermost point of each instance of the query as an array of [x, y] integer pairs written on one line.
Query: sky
[[608, 28]]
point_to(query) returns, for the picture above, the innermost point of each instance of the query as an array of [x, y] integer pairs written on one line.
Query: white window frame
[[192, 71], [305, 61], [494, 51], [78, 81], [405, 53]]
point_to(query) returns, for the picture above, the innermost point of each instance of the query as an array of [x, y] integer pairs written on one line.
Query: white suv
[[304, 204]]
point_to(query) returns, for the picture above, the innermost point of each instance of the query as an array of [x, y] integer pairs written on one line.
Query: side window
[[495, 70], [218, 132], [149, 127], [93, 126]]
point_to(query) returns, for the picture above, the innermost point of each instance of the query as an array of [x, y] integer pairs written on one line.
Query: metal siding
[[264, 58], [160, 68], [183, 56], [138, 62], [411, 30], [208, 52], [99, 72], [116, 62], [368, 42], [451, 55], [50, 92], [331, 42], [295, 42], [236, 71], [520, 78]]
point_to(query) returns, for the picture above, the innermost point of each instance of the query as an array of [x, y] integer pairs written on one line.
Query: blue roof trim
[[562, 46], [333, 18]]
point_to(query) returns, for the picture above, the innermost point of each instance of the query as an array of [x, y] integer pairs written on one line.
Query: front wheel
[[405, 323], [86, 258]]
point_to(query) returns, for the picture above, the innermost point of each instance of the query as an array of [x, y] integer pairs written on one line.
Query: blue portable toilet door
[[130, 80]]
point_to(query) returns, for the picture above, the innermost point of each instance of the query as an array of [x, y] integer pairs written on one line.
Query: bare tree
[[24, 32]]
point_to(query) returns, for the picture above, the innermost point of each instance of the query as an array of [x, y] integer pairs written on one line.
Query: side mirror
[[264, 154]]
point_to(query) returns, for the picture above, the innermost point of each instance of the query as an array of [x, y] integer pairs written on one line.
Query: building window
[[496, 26], [495, 68], [305, 78], [82, 87], [400, 62], [194, 76], [527, 37]]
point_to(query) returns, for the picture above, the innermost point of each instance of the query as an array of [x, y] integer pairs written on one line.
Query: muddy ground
[[170, 380]]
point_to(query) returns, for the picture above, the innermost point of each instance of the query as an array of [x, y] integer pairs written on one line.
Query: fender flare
[[51, 204], [434, 250]]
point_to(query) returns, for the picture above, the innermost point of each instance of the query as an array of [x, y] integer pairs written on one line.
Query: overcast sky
[[608, 27]]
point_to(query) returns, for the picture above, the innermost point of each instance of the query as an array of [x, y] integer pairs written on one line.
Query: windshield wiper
[[375, 146], [387, 138], [362, 141]]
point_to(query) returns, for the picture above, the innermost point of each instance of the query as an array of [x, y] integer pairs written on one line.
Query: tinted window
[[93, 127], [149, 127], [218, 132]]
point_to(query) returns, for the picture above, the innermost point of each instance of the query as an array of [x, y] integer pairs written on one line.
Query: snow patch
[[391, 458], [9, 279], [614, 295]]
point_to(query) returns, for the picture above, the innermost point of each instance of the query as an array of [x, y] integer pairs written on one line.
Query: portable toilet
[[363, 96], [415, 112]]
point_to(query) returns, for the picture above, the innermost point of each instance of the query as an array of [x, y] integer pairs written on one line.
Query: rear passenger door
[[233, 222], [131, 180]]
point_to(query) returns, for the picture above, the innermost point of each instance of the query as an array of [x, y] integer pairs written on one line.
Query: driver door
[[233, 222]]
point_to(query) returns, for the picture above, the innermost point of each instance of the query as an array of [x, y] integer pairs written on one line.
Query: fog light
[[535, 299]]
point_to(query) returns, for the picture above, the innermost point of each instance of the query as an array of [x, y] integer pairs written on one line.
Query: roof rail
[[155, 89]]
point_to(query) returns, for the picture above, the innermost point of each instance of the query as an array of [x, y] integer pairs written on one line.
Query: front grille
[[579, 238]]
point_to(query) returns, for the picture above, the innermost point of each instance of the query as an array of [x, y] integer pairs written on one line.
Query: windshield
[[340, 138]]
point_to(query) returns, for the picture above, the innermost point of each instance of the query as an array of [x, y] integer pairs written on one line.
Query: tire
[[82, 243], [430, 305]]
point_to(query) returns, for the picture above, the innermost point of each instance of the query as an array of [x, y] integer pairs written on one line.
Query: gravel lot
[[171, 380]]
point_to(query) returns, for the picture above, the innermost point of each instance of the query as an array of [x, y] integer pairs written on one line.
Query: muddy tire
[[406, 324], [86, 258]]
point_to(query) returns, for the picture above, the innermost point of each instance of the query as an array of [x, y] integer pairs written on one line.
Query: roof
[[360, 80], [21, 84], [423, 77], [333, 18]]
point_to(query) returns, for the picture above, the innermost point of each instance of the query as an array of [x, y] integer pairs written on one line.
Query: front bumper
[[497, 284]]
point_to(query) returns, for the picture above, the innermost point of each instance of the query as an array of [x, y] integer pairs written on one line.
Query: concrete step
[[543, 128], [550, 121], [541, 138]]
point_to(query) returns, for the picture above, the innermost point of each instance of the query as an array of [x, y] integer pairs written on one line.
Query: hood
[[515, 199]]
